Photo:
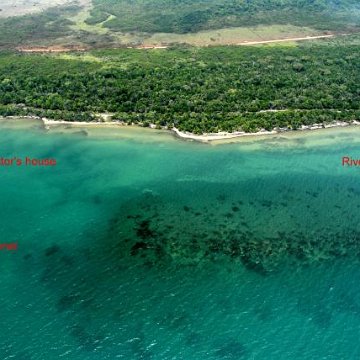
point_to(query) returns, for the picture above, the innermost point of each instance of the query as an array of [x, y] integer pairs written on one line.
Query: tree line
[[197, 90]]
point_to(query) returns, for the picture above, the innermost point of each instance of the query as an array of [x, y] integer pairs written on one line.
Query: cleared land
[[79, 20], [234, 36], [50, 49], [190, 16], [158, 23], [22, 7]]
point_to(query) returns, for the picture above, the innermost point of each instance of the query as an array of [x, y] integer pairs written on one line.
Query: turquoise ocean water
[[137, 245]]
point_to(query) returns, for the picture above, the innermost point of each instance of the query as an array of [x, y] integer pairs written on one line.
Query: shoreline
[[183, 135], [206, 137]]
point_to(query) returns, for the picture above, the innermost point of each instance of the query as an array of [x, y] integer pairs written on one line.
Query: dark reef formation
[[167, 256], [262, 234]]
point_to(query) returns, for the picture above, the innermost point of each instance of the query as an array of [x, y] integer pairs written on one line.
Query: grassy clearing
[[190, 16], [227, 36], [233, 36], [91, 23], [80, 24], [48, 25], [86, 57], [21, 7]]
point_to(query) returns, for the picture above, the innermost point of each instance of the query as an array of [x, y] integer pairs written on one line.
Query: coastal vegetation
[[194, 89]]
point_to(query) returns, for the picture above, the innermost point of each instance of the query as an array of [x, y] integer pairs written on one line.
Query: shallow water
[[139, 246]]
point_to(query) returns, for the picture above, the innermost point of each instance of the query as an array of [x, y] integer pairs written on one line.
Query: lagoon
[[137, 245]]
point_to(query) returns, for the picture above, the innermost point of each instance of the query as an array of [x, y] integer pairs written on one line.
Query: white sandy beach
[[206, 137], [226, 135]]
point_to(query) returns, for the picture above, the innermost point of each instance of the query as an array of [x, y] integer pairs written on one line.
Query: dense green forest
[[195, 89], [182, 16]]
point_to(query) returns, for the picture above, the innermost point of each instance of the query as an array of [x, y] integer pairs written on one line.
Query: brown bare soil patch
[[50, 49]]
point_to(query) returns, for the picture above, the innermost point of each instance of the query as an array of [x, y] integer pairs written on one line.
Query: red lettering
[[12, 246], [345, 160], [6, 162], [40, 162], [9, 247]]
